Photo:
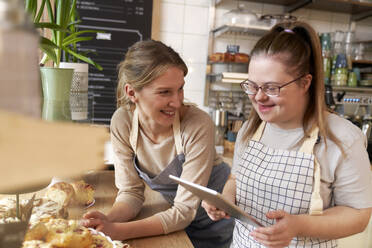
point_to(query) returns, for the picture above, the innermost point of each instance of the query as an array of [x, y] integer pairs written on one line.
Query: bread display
[[62, 233], [84, 193], [60, 192]]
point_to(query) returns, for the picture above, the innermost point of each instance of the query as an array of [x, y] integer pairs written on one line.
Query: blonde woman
[[154, 135]]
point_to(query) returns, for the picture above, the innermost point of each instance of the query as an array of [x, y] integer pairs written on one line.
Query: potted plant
[[56, 82]]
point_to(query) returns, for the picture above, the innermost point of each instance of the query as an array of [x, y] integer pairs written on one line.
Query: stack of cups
[[79, 90]]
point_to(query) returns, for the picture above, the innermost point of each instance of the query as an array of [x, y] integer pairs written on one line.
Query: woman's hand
[[94, 219], [281, 233], [100, 222], [214, 213]]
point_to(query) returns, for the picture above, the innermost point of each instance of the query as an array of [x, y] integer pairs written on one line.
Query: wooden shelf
[[357, 9], [362, 62], [352, 89]]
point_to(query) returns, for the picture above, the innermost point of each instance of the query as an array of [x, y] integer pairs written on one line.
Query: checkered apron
[[270, 179]]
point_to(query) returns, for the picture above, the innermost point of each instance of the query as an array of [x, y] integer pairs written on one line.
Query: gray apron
[[203, 232], [269, 179]]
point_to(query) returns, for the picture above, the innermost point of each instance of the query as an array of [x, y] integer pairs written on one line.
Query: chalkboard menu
[[124, 22]]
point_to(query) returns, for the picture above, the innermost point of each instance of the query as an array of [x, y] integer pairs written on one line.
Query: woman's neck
[[155, 133]]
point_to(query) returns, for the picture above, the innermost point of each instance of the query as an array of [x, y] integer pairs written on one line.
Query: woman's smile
[[168, 113], [264, 108]]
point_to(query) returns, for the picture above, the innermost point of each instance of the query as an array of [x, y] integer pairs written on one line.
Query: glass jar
[[240, 17]]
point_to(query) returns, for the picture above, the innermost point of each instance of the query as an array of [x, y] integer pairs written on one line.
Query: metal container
[[220, 118]]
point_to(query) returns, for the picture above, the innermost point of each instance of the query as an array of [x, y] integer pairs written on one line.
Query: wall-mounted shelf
[[236, 30], [352, 89], [362, 62], [357, 9]]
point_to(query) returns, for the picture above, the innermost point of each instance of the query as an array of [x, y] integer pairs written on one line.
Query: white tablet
[[216, 199]]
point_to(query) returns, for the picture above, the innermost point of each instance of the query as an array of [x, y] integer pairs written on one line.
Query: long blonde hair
[[298, 46], [144, 62]]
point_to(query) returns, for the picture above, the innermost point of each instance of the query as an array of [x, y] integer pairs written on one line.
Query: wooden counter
[[104, 184]]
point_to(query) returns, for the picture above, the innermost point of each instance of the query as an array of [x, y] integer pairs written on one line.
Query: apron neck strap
[[259, 131], [133, 138], [134, 131], [309, 143], [177, 133]]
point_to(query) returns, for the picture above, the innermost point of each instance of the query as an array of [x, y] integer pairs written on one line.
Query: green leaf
[[31, 7], [52, 26], [40, 13], [49, 52], [46, 42], [75, 40], [74, 35], [84, 58]]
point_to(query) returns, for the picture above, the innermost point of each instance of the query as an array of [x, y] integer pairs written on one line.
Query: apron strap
[[177, 133], [259, 131], [309, 143], [134, 132], [316, 203]]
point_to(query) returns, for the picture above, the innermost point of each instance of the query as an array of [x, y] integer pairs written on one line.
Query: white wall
[[184, 25]]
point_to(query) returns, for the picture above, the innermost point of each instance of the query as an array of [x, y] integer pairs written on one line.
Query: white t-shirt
[[345, 181]]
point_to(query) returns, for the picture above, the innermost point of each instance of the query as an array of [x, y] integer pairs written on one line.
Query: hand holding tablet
[[217, 199]]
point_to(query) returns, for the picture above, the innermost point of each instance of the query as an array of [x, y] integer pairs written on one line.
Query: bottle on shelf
[[325, 39], [339, 78]]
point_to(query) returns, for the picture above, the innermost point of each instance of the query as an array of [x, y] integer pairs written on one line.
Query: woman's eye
[[164, 92]]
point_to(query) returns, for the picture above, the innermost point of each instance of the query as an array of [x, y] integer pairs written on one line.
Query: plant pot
[[79, 90], [56, 83], [56, 110]]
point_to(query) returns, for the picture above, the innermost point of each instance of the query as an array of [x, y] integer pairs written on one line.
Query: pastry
[[216, 57], [61, 193], [36, 244], [84, 193], [241, 58], [68, 233], [46, 209], [100, 241], [37, 231]]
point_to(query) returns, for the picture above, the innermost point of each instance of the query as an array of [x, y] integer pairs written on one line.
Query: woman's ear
[[131, 93], [307, 81]]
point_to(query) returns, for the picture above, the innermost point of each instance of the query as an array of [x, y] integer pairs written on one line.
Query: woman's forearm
[[120, 212], [229, 189], [150, 226], [336, 222]]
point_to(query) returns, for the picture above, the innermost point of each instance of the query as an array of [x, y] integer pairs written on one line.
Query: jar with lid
[[240, 17]]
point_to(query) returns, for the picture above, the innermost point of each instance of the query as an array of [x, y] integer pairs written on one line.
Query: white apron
[[270, 179]]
